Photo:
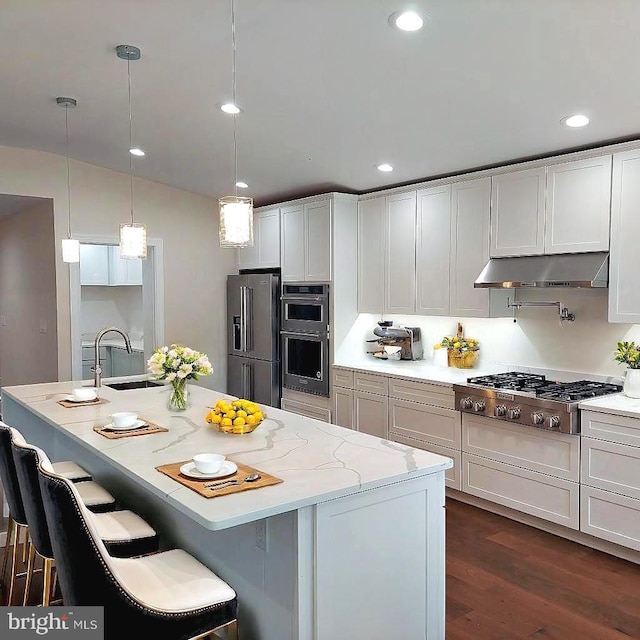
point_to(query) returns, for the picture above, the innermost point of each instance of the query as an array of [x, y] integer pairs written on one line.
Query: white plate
[[72, 399], [136, 425], [190, 470]]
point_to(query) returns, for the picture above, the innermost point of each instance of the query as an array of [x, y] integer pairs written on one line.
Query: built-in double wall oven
[[305, 337]]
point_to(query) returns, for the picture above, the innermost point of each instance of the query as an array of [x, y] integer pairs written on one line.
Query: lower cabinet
[[306, 404], [532, 470], [370, 413], [343, 407]]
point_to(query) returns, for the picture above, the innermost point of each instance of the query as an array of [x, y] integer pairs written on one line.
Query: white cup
[[208, 462], [123, 418], [84, 394]]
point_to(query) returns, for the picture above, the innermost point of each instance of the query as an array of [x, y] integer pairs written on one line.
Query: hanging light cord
[[233, 96], [66, 126], [130, 139]]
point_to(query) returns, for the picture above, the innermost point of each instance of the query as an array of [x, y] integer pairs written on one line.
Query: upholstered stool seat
[[71, 471], [125, 533], [95, 496]]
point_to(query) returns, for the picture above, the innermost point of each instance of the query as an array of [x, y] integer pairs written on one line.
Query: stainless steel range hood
[[589, 270]]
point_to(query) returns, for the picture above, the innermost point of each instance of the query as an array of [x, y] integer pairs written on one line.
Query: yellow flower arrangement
[[459, 343]]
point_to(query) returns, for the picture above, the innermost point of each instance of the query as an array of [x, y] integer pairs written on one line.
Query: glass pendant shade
[[70, 250], [236, 221], [133, 240]]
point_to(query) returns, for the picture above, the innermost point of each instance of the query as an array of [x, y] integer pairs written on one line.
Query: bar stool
[[123, 532], [170, 593], [97, 498]]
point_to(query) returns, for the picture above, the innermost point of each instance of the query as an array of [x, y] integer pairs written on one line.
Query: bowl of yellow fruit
[[236, 416]]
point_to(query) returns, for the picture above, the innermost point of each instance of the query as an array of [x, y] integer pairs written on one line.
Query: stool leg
[[27, 582], [14, 562], [47, 571], [25, 545], [5, 553]]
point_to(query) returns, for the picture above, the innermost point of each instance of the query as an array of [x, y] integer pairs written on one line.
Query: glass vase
[[631, 387], [179, 396]]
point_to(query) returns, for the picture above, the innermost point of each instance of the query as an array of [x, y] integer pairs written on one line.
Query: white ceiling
[[329, 90]]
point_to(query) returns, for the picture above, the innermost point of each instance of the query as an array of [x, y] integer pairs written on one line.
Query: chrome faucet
[[97, 368]]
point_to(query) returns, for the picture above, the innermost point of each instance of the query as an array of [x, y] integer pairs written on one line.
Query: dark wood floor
[[506, 580]]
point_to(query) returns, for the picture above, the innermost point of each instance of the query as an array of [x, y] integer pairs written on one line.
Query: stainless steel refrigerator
[[253, 337]]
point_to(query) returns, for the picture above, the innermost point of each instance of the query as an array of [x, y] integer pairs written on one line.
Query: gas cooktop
[[529, 399]]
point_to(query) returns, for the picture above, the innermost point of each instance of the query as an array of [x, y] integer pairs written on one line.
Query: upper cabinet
[[624, 257], [387, 254], [470, 209], [314, 236], [265, 252], [517, 213], [101, 264], [578, 206], [433, 251], [562, 208]]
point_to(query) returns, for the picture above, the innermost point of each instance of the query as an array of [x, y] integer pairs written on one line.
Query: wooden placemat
[[142, 431], [173, 471], [89, 403]]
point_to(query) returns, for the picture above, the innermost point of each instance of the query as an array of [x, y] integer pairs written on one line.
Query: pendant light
[[236, 212], [70, 246], [133, 236]]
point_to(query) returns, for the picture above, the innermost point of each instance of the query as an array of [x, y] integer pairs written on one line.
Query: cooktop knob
[[478, 406], [537, 417], [513, 413], [553, 422], [466, 404], [500, 411]]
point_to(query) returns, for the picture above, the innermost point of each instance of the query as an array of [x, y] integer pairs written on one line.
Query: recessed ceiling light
[[242, 185], [385, 167], [229, 107], [406, 20], [576, 121], [136, 151]]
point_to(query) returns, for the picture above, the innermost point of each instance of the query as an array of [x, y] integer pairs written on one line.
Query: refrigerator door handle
[[243, 319], [247, 392], [248, 325]]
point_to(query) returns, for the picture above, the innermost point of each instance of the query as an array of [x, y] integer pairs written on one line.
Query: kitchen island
[[349, 545]]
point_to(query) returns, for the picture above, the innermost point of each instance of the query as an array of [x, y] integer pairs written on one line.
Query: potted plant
[[628, 353]]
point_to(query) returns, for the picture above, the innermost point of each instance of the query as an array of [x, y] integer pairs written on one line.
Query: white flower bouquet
[[177, 364]]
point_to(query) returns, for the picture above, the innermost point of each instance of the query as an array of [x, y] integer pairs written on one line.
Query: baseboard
[[550, 527]]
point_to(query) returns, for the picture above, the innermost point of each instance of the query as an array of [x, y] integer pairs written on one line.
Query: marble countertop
[[317, 461], [617, 404]]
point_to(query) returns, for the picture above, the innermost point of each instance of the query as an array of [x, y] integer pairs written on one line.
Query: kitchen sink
[[133, 384]]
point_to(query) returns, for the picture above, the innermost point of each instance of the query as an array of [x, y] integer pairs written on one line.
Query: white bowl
[[208, 462], [123, 418], [83, 394]]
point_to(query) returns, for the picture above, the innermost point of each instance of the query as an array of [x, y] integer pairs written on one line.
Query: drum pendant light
[[70, 246], [133, 236], [236, 213]]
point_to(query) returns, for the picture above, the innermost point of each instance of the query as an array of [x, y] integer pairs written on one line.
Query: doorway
[[106, 290]]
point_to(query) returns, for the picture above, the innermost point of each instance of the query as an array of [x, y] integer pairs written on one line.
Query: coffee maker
[[409, 339]]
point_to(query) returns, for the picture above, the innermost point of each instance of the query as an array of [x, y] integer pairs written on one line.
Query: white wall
[[536, 339], [28, 337], [195, 267], [111, 306]]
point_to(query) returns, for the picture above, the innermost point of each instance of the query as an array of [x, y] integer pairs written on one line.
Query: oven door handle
[[303, 299], [300, 334]]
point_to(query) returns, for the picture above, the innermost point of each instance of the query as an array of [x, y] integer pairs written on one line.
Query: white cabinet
[[610, 478], [94, 264], [400, 259], [387, 254], [578, 206], [343, 407], [101, 264], [433, 251], [306, 242], [470, 209], [370, 413], [561, 208], [265, 252], [518, 213], [371, 252], [624, 257]]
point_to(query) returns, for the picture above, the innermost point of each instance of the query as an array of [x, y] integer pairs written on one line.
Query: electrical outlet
[[3, 321], [43, 326], [261, 534]]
